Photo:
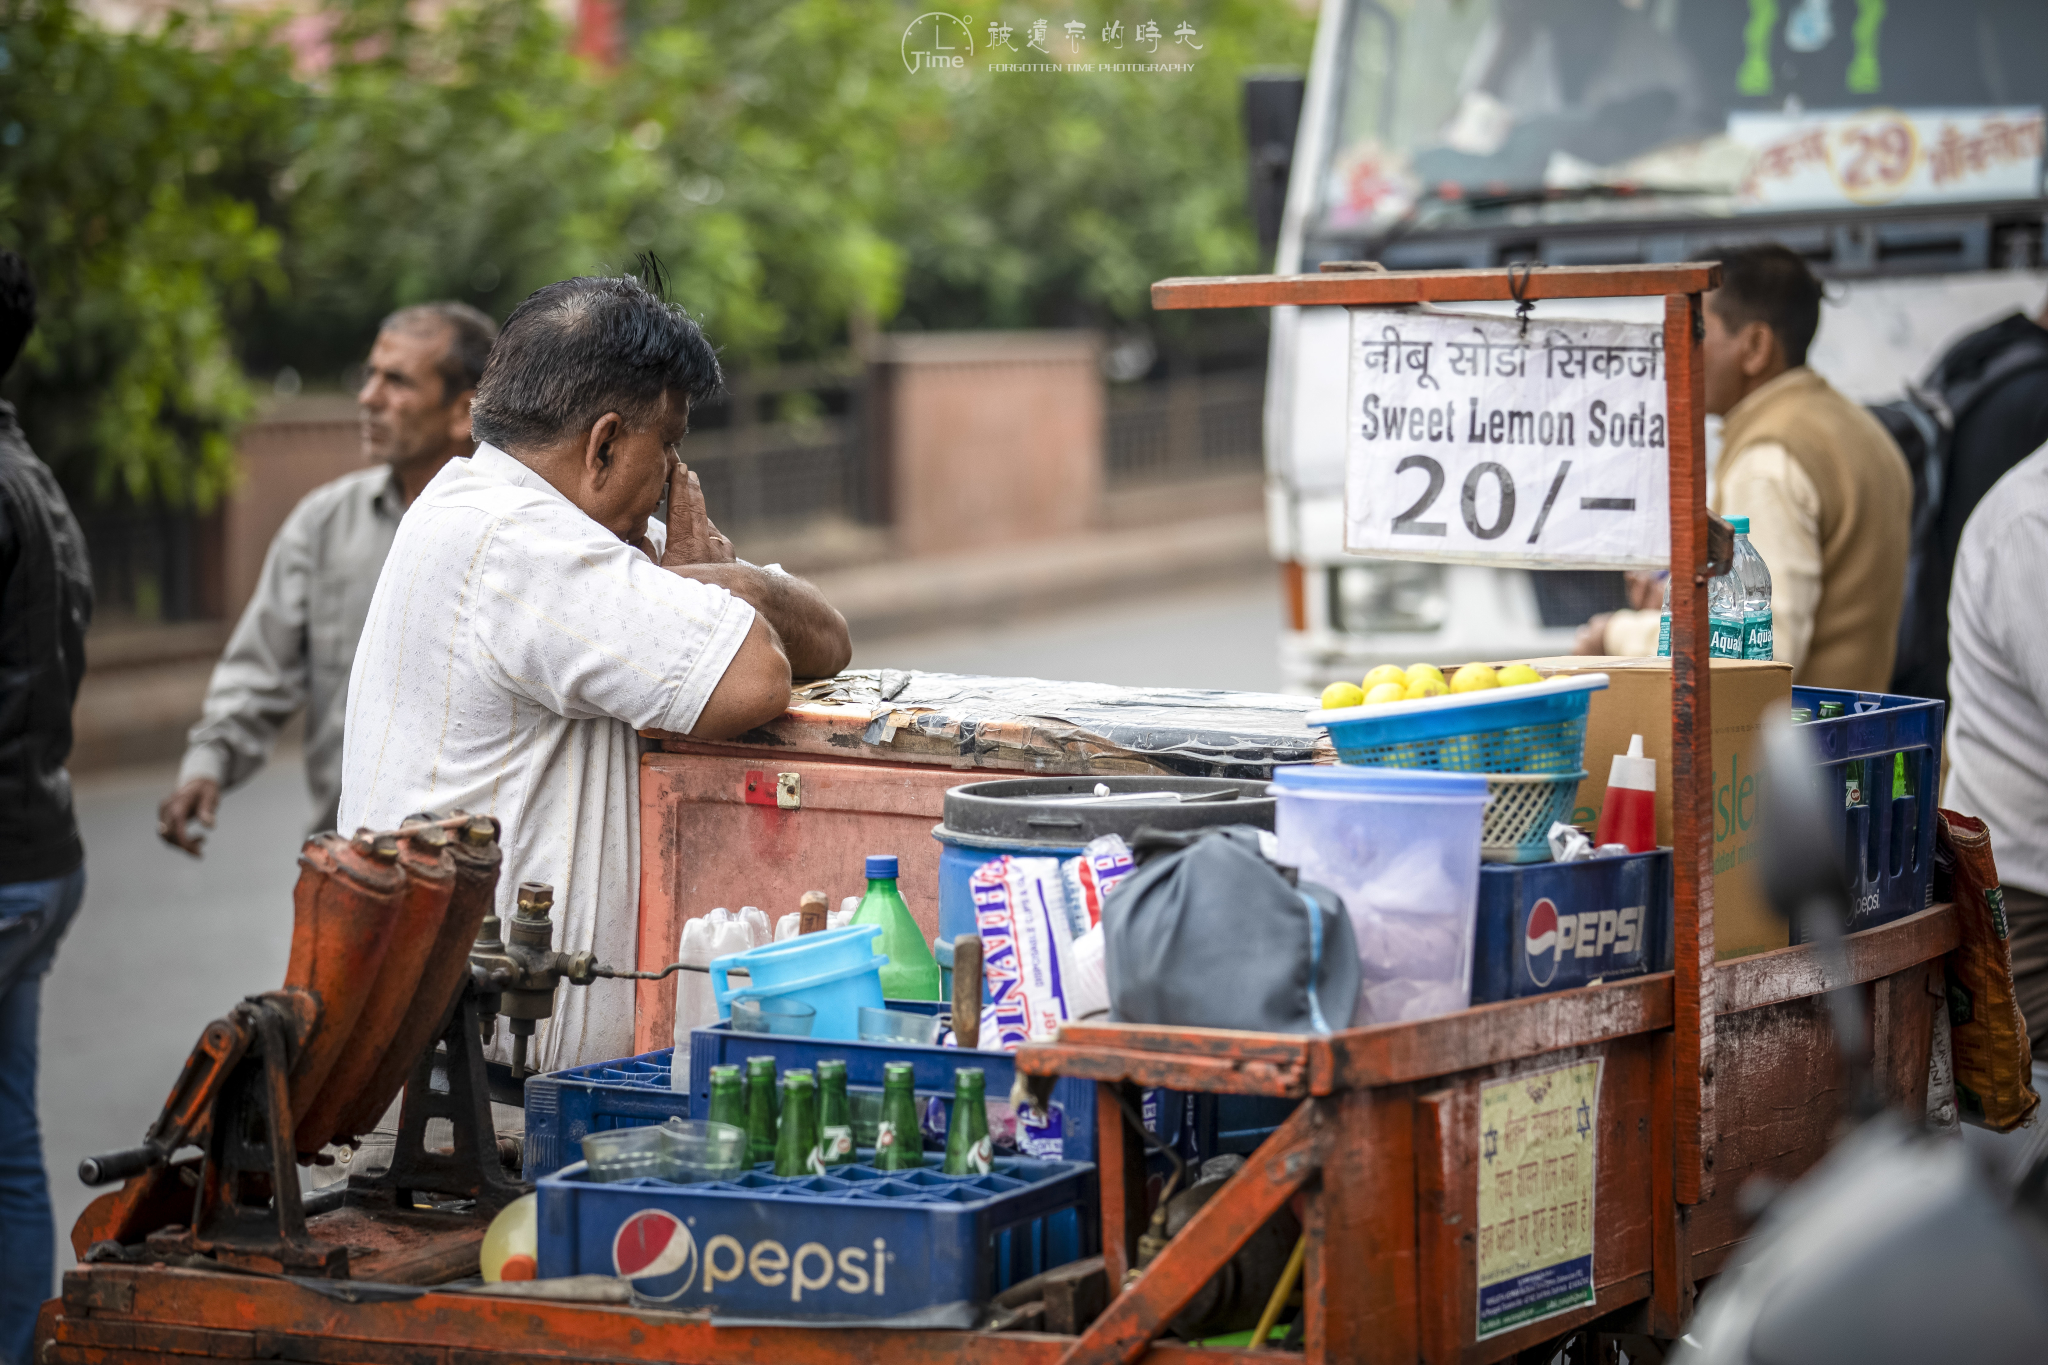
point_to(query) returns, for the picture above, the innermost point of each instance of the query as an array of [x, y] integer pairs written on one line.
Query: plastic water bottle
[[1729, 612], [1664, 626], [1753, 578], [1724, 618]]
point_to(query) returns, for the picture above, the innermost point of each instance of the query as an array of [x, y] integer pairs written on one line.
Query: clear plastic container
[[680, 1150], [1401, 847]]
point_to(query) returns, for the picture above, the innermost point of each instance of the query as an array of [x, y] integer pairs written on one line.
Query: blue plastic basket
[[1520, 809], [1535, 728], [1887, 839], [859, 1245], [565, 1107]]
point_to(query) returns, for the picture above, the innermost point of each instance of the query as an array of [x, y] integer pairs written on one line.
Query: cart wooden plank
[[1363, 288]]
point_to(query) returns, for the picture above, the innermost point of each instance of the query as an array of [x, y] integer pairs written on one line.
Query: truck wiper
[[1454, 196]]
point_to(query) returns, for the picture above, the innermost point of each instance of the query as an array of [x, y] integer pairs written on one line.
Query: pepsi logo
[[656, 1252], [1539, 942]]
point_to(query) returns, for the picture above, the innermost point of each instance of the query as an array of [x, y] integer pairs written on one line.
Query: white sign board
[[1475, 439], [1826, 158]]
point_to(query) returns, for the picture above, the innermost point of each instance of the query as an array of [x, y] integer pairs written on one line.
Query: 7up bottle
[[967, 1142]]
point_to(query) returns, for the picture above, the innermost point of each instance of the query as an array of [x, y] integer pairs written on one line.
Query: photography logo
[[937, 42]]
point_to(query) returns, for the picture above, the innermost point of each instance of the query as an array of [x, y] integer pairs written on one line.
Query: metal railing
[[1186, 428]]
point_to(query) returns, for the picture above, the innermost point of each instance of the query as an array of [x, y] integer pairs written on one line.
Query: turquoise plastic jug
[[836, 973]]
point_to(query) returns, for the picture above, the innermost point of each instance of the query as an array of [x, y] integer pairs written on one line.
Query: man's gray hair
[[470, 336], [578, 349]]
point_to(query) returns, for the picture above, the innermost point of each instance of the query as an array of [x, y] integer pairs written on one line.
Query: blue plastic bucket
[[960, 856], [836, 973]]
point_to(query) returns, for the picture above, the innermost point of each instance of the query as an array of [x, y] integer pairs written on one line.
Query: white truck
[[1898, 145]]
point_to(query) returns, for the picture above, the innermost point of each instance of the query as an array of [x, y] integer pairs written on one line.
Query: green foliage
[[184, 198], [1056, 198], [124, 169]]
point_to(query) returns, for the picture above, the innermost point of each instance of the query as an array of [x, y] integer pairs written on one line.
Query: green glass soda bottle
[[968, 1151], [760, 1110], [728, 1104], [835, 1116], [899, 1146], [912, 972], [796, 1144]]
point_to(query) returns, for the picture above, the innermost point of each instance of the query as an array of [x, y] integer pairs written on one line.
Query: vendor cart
[[1685, 1086]]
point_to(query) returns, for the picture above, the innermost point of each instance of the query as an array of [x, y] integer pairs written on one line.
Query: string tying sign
[[1502, 441]]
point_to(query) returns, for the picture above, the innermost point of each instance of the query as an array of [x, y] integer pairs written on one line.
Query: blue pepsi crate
[[1880, 767], [858, 1245], [565, 1107], [1547, 927]]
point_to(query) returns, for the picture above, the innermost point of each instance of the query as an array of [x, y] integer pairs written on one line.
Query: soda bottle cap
[[1740, 525], [881, 865]]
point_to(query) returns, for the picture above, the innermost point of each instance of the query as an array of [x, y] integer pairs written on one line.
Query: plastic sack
[[1215, 936], [1993, 1058]]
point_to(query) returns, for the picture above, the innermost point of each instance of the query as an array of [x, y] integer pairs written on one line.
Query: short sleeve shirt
[[513, 647]]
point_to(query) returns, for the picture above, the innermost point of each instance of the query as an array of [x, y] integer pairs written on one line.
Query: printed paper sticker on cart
[[1474, 438]]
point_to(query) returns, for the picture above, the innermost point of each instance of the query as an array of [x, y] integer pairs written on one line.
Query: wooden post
[[1692, 755]]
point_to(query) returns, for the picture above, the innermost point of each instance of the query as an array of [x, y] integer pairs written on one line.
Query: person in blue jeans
[[45, 606]]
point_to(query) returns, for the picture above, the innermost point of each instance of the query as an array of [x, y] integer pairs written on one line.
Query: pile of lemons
[[1419, 681]]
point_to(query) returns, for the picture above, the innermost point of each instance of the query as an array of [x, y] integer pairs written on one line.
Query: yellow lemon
[[1385, 673], [1386, 692], [1515, 675], [1474, 678], [1417, 672], [1426, 687], [1341, 694]]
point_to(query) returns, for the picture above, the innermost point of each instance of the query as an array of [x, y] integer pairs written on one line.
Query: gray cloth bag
[[1214, 936]]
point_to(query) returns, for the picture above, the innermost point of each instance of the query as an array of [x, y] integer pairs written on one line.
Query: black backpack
[[1923, 423]]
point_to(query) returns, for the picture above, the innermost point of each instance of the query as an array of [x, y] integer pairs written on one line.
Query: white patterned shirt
[[513, 647]]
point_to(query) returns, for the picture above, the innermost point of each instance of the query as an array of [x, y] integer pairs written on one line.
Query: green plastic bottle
[[835, 1117], [912, 972], [968, 1151], [760, 1110], [796, 1145], [899, 1144]]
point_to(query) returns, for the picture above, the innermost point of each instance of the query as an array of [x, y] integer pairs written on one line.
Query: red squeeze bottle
[[1628, 813]]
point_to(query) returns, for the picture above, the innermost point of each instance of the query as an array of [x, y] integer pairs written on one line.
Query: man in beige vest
[[1827, 493]]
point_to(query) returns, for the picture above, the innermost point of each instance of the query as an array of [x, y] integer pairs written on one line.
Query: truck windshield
[[1451, 111]]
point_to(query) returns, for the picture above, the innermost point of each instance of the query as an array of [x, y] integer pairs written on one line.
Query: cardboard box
[[1638, 702]]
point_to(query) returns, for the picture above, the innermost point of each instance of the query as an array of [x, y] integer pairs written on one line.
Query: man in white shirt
[[531, 616], [1997, 745]]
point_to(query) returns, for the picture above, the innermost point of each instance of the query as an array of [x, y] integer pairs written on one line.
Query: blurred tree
[[130, 170], [185, 198]]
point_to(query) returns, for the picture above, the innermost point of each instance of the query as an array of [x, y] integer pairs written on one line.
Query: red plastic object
[[1628, 813]]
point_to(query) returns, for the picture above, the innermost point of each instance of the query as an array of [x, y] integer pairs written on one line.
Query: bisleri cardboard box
[[1638, 702]]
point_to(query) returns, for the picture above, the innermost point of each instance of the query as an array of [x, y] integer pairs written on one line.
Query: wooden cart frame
[[1711, 1075]]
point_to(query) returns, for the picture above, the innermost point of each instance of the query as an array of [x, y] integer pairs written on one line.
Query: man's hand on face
[[198, 800], [692, 539]]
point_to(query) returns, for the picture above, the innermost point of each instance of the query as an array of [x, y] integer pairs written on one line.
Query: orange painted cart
[[1709, 1075]]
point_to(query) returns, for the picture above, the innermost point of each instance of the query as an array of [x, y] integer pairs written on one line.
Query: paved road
[[165, 944], [162, 946], [1222, 638]]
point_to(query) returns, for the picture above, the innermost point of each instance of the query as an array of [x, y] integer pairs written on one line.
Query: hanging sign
[[1537, 1148], [1474, 438]]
